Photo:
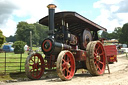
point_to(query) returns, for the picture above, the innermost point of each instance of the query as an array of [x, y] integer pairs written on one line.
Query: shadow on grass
[[11, 76], [18, 75]]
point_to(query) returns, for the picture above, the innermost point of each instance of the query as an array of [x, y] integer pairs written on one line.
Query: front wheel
[[34, 66], [65, 65]]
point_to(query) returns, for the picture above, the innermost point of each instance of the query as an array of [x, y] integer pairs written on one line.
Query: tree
[[11, 38], [116, 33], [2, 38], [104, 35], [41, 31], [38, 32], [124, 34], [18, 47], [23, 33]]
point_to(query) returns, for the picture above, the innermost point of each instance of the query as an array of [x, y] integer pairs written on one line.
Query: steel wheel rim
[[36, 66], [65, 65], [99, 58], [68, 65]]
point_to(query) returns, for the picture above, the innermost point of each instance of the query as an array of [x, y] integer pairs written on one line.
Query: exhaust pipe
[[51, 8]]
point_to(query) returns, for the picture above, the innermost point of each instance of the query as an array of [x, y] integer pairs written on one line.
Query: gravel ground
[[118, 76]]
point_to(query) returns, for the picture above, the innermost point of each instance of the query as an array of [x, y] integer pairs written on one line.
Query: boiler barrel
[[49, 46]]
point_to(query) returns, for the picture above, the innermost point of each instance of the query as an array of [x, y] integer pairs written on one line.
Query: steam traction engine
[[72, 44]]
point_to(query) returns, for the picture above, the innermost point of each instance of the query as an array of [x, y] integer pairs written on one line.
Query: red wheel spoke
[[99, 68], [101, 62], [68, 59], [33, 74], [32, 60], [33, 70], [30, 70], [30, 65], [37, 60], [101, 53], [63, 60], [63, 65], [63, 68], [95, 62], [98, 47], [95, 53], [36, 71], [68, 71]]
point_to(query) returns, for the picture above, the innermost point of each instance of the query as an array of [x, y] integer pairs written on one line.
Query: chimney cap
[[51, 6]]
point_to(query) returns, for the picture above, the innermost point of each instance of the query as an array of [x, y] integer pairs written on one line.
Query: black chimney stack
[[51, 8]]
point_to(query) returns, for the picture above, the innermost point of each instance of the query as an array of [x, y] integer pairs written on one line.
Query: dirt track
[[118, 76]]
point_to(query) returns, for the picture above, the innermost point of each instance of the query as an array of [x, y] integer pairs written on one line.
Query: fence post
[[5, 62], [20, 61]]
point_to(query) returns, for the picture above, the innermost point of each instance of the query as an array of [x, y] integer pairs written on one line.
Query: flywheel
[[86, 38]]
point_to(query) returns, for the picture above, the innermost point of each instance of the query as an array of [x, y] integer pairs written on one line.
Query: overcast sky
[[107, 13]]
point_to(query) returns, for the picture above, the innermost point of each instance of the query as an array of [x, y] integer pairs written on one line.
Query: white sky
[[113, 13]]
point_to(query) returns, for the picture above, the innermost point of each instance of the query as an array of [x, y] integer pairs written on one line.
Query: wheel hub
[[67, 65], [98, 58], [36, 65]]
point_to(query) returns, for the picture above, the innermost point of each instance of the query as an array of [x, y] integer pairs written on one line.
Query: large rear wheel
[[65, 65], [34, 66], [96, 60]]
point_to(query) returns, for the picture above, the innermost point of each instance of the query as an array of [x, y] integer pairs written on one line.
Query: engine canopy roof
[[76, 22]]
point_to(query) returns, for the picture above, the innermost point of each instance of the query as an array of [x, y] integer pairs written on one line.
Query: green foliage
[[11, 38], [38, 32], [114, 35], [18, 47], [124, 34], [2, 38], [23, 32], [41, 32], [104, 35]]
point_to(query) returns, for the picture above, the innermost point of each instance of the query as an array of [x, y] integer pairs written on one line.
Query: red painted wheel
[[65, 65], [96, 60], [34, 66]]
